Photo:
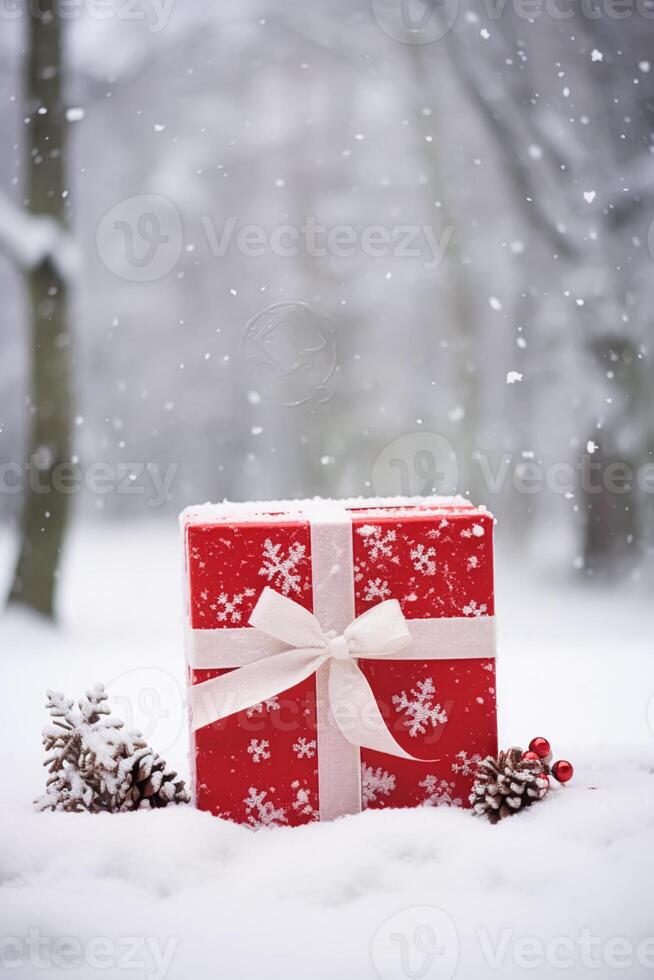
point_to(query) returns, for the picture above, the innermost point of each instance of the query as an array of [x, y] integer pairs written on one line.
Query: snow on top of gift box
[[319, 507]]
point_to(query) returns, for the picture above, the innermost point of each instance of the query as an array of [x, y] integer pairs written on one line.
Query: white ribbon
[[381, 631]]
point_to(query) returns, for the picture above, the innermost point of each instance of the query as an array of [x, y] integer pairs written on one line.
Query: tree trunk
[[46, 506], [611, 507]]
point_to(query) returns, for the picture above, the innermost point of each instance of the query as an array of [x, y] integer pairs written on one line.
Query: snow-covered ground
[[565, 889]]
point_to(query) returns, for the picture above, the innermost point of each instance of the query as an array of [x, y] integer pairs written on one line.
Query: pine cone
[[505, 785], [149, 783]]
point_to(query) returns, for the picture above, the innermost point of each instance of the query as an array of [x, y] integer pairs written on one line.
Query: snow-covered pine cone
[[147, 782], [97, 764], [505, 785]]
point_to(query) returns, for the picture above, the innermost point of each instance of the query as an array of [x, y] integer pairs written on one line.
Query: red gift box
[[271, 763]]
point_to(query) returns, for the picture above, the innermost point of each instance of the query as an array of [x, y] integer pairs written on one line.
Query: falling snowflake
[[258, 749], [270, 704], [419, 707], [476, 531], [466, 764], [423, 559], [260, 813], [473, 562], [376, 589], [280, 571], [227, 610], [378, 545], [438, 792], [472, 609], [302, 802], [305, 749], [374, 783]]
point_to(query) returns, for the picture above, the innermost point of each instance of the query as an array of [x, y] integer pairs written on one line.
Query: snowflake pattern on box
[[303, 802], [258, 749], [261, 767], [438, 792], [280, 571], [420, 707], [262, 812], [465, 765], [270, 704], [375, 783], [473, 609], [229, 609], [423, 559], [379, 544], [376, 591], [305, 748]]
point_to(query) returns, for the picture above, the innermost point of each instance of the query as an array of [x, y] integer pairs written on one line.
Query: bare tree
[[41, 245], [562, 183]]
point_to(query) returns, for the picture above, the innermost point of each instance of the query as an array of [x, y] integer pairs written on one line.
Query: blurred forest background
[[135, 327]]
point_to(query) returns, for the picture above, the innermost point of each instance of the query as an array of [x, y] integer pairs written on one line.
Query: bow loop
[[379, 631], [286, 620]]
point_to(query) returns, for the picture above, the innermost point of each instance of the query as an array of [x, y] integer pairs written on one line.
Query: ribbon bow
[[380, 631]]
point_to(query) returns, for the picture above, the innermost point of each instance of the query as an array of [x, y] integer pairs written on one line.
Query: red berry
[[562, 770], [540, 746], [530, 757]]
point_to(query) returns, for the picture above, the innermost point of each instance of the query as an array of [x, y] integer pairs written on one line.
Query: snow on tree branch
[[30, 240]]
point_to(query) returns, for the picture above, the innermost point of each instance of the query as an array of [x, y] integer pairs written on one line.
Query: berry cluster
[[540, 750]]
